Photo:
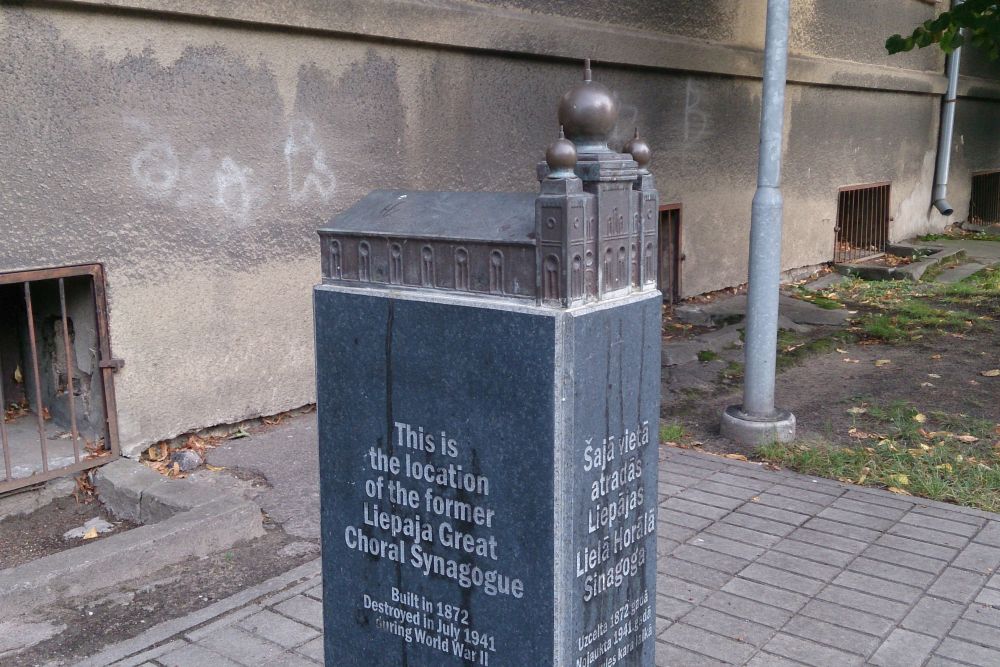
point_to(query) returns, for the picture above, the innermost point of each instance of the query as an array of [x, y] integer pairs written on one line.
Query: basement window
[[56, 384], [862, 222]]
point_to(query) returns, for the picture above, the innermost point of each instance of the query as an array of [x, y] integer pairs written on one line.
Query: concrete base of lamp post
[[750, 430]]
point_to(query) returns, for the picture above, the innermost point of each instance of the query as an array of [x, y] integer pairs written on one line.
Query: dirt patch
[[40, 533], [123, 612], [820, 389]]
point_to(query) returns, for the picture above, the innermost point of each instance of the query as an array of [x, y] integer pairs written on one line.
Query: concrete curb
[[141, 644], [190, 524]]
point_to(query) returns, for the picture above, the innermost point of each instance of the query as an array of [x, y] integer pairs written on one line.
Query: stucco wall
[[196, 157]]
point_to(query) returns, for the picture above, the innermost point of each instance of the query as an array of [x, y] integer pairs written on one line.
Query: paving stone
[[858, 533], [677, 479], [801, 566], [976, 633], [697, 509], [313, 649], [662, 624], [938, 661], [932, 616], [943, 525], [726, 490], [316, 592], [829, 634], [979, 557], [741, 607], [983, 614], [776, 514], [674, 532], [815, 552], [917, 547], [810, 652], [771, 660], [848, 618], [891, 590], [742, 481], [710, 559], [969, 653], [870, 508], [990, 597], [864, 602], [303, 609], [951, 513], [905, 559], [990, 534], [745, 535], [994, 581], [683, 519], [880, 497], [758, 524], [708, 643], [769, 499], [783, 579], [671, 608], [194, 655], [903, 649], [809, 496], [680, 589], [876, 523], [725, 545], [828, 541], [891, 572], [710, 499], [242, 647], [766, 594], [739, 629], [694, 572], [668, 655], [278, 629], [957, 585], [293, 659], [929, 535]]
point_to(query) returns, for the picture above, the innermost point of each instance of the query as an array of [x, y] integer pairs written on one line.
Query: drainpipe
[[940, 194], [757, 421]]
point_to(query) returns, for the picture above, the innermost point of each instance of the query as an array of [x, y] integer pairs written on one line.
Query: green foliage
[[671, 432], [942, 456], [706, 356], [979, 19]]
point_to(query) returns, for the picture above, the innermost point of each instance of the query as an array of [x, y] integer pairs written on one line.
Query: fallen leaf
[[864, 475], [944, 466], [158, 452], [967, 438], [213, 468], [90, 534], [736, 457], [857, 410], [853, 361], [901, 480], [18, 375], [926, 384], [920, 418], [934, 375], [883, 362], [839, 351], [935, 356], [902, 492], [860, 435], [995, 373]]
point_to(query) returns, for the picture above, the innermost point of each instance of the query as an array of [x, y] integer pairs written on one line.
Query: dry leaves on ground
[[991, 373]]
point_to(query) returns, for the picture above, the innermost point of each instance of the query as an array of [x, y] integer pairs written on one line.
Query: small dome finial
[[589, 113], [561, 157], [639, 150]]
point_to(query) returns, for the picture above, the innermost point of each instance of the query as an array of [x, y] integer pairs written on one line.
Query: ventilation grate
[[984, 208], [862, 222]]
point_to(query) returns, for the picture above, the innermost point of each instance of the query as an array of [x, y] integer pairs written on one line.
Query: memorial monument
[[488, 377]]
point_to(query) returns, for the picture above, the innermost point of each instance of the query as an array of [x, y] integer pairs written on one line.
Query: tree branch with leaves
[[975, 22]]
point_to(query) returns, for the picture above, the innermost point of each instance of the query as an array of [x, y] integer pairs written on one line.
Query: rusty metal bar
[[3, 431], [39, 408], [35, 275], [91, 461], [70, 386], [106, 368]]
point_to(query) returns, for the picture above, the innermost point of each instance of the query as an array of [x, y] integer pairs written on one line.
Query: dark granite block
[[488, 474]]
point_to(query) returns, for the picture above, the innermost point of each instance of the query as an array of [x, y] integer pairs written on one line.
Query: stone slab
[[531, 403], [120, 485]]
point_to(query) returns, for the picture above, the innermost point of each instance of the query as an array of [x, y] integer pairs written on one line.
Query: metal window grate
[[56, 383], [670, 253], [985, 205], [862, 222]]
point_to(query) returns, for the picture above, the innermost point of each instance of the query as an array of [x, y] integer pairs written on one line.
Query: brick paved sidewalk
[[757, 568]]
